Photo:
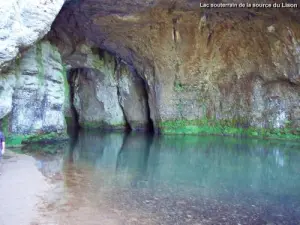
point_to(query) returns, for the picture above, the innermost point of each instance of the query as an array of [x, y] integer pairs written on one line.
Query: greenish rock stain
[[16, 140], [178, 87], [101, 125], [97, 63], [39, 59], [17, 66], [55, 53]]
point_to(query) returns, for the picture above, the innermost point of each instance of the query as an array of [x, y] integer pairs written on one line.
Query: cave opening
[[134, 97], [84, 84], [73, 126], [145, 86]]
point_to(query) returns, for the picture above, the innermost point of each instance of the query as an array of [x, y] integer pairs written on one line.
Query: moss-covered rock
[[103, 125]]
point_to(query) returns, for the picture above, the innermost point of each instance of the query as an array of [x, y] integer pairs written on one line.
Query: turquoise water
[[179, 179]]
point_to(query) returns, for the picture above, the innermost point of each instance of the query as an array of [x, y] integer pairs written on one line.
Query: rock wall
[[133, 98], [107, 93], [242, 68], [96, 100], [34, 93], [134, 64], [22, 24], [7, 85]]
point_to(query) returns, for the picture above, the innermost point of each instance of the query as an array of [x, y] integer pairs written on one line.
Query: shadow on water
[[250, 181]]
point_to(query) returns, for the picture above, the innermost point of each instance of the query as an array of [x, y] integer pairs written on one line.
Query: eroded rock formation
[[22, 24], [96, 100], [133, 98], [242, 67], [107, 93], [33, 90]]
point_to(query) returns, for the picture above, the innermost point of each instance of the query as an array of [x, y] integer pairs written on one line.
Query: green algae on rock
[[236, 127], [226, 127]]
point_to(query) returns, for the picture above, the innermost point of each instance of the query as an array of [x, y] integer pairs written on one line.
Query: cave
[[149, 112], [122, 106], [154, 66]]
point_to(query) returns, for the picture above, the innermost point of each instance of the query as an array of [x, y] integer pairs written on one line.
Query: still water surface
[[116, 178]]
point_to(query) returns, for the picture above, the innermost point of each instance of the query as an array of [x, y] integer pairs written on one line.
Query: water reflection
[[256, 179], [216, 164]]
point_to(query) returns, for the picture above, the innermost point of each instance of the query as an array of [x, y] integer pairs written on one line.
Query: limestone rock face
[[95, 98], [225, 66], [107, 94], [7, 84], [137, 62], [35, 94], [133, 98], [23, 23]]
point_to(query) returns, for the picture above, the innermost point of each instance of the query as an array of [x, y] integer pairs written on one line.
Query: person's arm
[[2, 140], [3, 147]]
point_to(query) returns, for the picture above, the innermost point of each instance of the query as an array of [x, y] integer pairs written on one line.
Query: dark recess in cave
[[73, 126], [150, 127]]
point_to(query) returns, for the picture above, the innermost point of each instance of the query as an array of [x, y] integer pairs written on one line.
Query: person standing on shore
[[2, 149]]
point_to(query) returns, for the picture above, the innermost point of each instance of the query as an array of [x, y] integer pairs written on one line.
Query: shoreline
[[20, 198]]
